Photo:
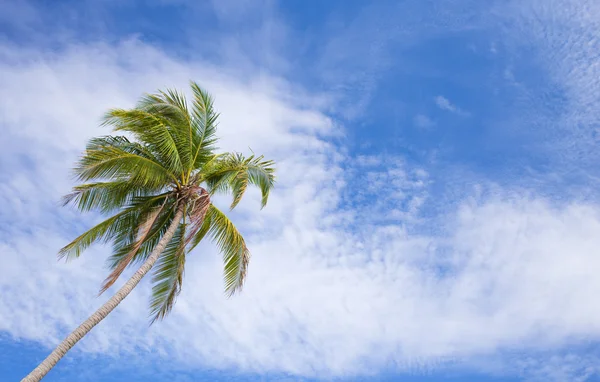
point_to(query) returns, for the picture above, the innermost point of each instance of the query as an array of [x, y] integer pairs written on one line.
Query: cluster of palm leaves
[[155, 178]]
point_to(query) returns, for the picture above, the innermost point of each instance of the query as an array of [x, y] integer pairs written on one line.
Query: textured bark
[[39, 372]]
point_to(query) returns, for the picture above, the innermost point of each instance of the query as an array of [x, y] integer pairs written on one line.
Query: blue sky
[[436, 216]]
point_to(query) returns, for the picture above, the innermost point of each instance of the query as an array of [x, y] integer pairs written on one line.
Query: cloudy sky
[[436, 216]]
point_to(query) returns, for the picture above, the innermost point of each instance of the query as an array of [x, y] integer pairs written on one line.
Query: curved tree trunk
[[39, 372]]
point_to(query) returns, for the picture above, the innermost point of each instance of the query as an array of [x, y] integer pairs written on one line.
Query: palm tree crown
[[164, 167]]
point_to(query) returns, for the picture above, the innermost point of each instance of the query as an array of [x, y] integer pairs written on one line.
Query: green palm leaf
[[232, 246], [124, 242], [144, 229], [111, 227], [105, 160], [204, 121], [153, 128], [168, 276], [233, 172], [106, 196], [172, 107]]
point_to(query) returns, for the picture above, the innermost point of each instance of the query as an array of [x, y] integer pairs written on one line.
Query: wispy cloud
[[561, 99], [445, 104], [355, 56]]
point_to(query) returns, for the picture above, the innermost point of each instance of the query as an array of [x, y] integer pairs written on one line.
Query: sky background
[[436, 216]]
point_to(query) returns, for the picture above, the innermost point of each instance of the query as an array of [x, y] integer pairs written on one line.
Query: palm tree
[[157, 185]]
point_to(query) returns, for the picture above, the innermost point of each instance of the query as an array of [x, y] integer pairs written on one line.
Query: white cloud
[[568, 367], [510, 272], [560, 98], [389, 191], [445, 104]]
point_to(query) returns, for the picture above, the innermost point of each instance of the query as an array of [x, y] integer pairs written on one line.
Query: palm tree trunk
[[43, 368]]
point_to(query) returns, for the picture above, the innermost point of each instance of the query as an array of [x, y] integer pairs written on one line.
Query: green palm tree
[[157, 185]]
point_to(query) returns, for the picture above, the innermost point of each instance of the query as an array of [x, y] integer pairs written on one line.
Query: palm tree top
[[161, 160]]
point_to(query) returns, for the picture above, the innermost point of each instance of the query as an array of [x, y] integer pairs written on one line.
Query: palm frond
[[204, 121], [99, 232], [151, 127], [194, 238], [126, 240], [168, 276], [172, 106], [233, 172], [106, 196], [105, 160], [143, 231], [232, 245], [109, 228]]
